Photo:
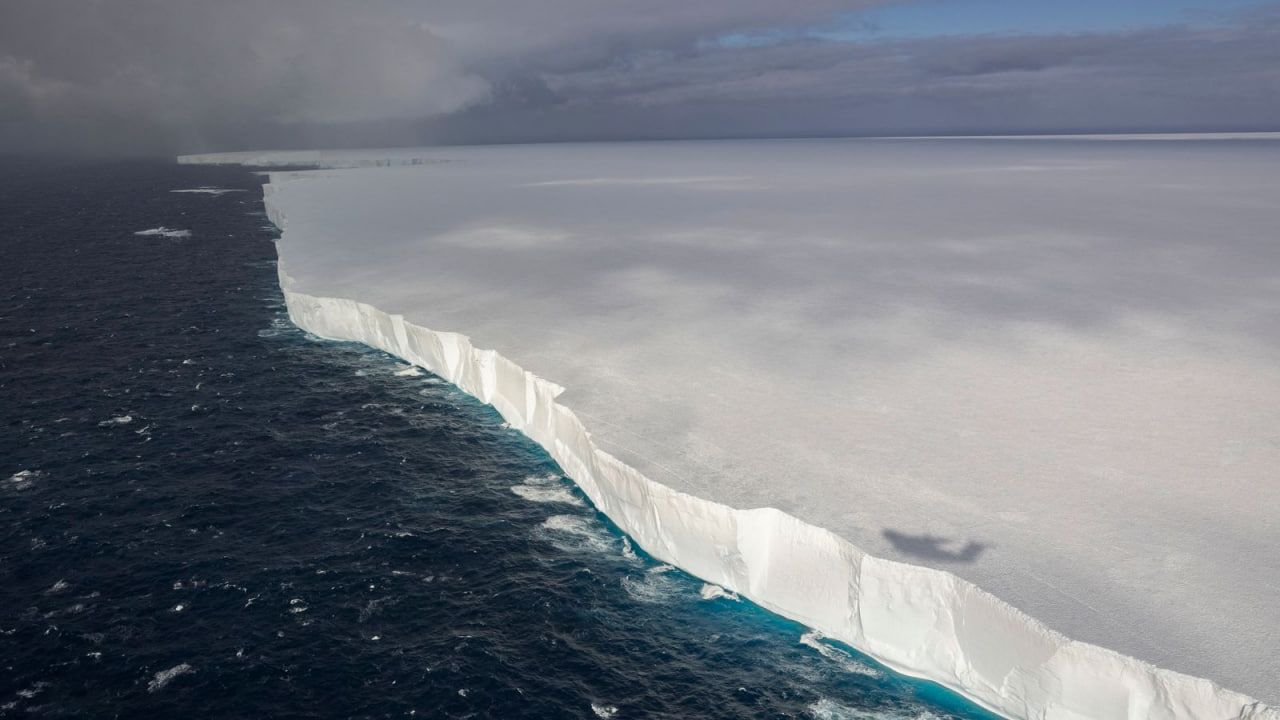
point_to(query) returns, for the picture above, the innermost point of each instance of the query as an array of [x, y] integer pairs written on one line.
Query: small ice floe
[[462, 692], [178, 608], [603, 711], [546, 489], [117, 420], [847, 662], [164, 232], [164, 677], [408, 371], [208, 190], [714, 592], [23, 479], [297, 605]]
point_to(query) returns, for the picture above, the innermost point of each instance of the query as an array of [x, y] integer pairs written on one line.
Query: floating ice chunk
[[23, 479], [164, 232], [164, 677], [118, 420]]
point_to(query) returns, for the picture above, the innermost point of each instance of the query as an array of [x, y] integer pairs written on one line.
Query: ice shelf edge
[[919, 621]]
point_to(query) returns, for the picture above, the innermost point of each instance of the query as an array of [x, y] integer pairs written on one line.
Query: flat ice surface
[[1050, 367]]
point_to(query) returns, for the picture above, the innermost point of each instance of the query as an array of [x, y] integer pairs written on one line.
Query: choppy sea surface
[[205, 512]]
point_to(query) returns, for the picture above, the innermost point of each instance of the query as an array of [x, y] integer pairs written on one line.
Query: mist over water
[[205, 512]]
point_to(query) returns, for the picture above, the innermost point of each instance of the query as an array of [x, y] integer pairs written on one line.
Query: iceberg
[[928, 398]]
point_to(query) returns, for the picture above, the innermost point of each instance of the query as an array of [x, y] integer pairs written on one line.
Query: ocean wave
[[847, 662], [714, 592], [164, 677], [207, 190], [164, 232], [574, 533], [546, 490], [657, 585], [604, 711]]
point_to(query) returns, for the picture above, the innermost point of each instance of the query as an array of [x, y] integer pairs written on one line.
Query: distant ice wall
[[338, 159], [920, 621]]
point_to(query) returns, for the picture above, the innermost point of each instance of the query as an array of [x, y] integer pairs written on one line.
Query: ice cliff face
[[497, 244]]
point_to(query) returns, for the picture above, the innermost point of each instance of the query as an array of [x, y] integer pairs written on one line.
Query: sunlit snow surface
[[1049, 367]]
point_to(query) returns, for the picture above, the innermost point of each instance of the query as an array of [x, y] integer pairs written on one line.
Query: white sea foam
[[164, 677], [408, 371], [118, 420], [577, 534], [826, 709], [546, 490], [713, 592], [58, 587], [164, 232], [657, 585], [847, 662], [603, 711], [206, 190]]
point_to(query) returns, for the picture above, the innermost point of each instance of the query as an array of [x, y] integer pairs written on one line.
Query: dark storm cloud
[[179, 75], [1172, 78]]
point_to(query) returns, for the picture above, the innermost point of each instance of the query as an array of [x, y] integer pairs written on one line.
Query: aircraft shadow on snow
[[933, 547]]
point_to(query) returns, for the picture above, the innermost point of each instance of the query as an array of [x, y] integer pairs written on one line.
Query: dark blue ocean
[[206, 513]]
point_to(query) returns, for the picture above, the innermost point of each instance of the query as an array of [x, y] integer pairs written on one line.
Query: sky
[[170, 76]]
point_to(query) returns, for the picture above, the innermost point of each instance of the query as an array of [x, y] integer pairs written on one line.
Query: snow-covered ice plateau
[[856, 381]]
